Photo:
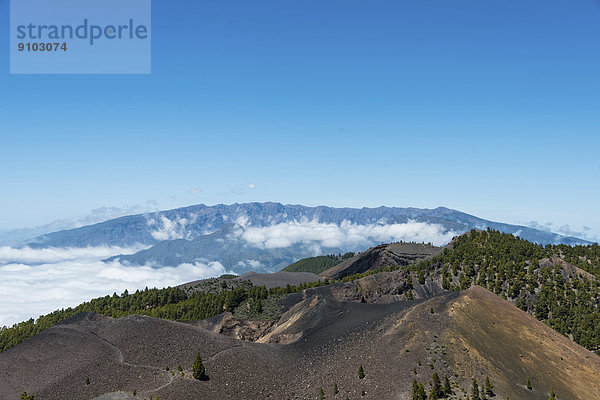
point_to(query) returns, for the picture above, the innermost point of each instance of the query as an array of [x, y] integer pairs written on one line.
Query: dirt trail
[[214, 356], [121, 358]]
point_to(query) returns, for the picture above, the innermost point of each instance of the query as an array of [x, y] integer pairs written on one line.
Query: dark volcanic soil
[[468, 334], [278, 279]]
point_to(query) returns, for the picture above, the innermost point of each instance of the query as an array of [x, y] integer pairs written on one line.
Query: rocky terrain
[[319, 341]]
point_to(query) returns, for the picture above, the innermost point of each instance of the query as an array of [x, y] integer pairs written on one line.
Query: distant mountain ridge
[[203, 219], [213, 233]]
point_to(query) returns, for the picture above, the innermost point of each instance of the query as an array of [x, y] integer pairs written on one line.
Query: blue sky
[[491, 108]]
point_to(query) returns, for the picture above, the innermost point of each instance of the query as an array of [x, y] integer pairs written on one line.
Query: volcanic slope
[[462, 335], [385, 255]]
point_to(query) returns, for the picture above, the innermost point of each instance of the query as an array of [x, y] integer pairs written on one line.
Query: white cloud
[[194, 191], [251, 186], [169, 229], [254, 263], [584, 234], [242, 220], [345, 235], [28, 255], [565, 230], [547, 227], [37, 281]]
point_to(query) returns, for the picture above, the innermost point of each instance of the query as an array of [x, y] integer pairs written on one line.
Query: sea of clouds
[[37, 281], [346, 235]]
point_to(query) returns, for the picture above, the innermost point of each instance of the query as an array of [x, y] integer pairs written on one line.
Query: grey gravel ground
[[394, 342]]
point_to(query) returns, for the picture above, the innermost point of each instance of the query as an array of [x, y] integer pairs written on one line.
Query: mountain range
[[266, 237]]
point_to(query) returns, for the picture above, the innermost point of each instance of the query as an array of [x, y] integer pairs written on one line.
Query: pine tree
[[335, 388], [447, 388], [198, 370], [361, 372], [489, 388], [552, 395], [415, 388], [529, 384], [321, 393], [475, 390], [418, 391], [436, 387]]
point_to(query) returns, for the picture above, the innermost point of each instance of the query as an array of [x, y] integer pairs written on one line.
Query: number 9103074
[[42, 46]]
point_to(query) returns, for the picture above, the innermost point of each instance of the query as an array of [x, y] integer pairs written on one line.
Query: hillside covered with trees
[[529, 275], [169, 303], [318, 264]]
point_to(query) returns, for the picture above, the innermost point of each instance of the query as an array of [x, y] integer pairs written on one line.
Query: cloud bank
[[565, 230], [169, 229], [345, 235], [28, 255], [37, 281]]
